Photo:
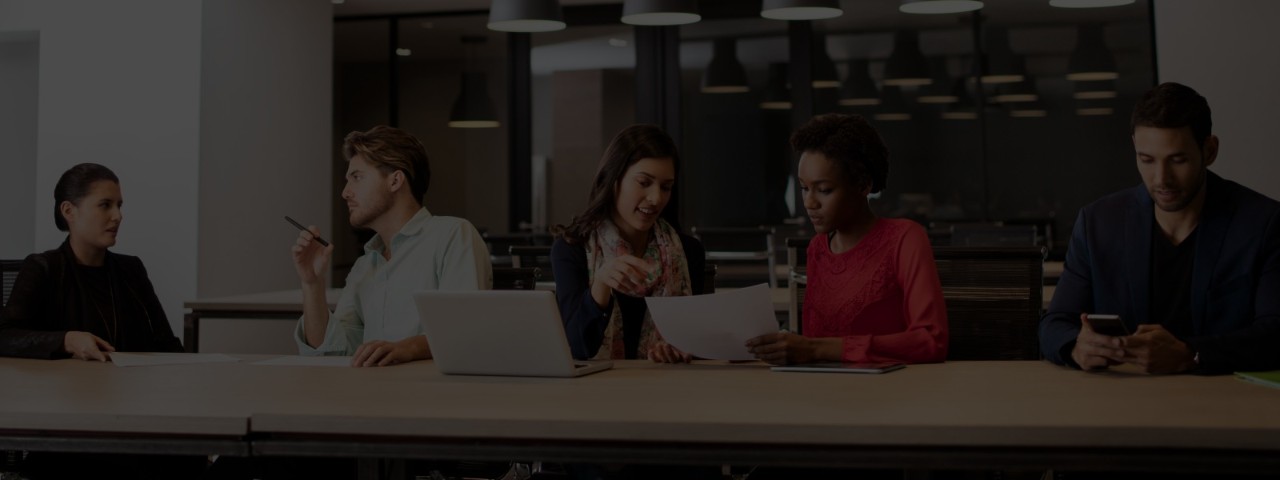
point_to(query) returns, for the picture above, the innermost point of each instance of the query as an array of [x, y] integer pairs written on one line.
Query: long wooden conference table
[[980, 415]]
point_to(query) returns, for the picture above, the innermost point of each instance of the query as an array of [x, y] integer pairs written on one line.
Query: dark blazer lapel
[[1215, 220], [1137, 247]]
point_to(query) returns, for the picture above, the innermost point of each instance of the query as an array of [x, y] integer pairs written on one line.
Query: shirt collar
[[410, 229]]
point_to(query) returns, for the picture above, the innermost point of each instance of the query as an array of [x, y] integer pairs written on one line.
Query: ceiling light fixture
[[942, 90], [1091, 59], [656, 13], [906, 67], [725, 73], [1089, 3], [1000, 64], [473, 108], [937, 7], [893, 109], [859, 89], [1096, 90], [824, 69], [777, 94], [1020, 92], [800, 9], [530, 16]]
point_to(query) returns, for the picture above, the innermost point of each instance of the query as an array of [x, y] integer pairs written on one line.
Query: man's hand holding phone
[[1099, 344]]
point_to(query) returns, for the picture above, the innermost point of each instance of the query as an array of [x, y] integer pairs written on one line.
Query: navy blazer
[[584, 321], [1235, 280]]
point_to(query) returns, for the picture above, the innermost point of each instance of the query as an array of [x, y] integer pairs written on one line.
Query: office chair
[[797, 252], [739, 245], [8, 275], [709, 279], [992, 235], [994, 297], [507, 278], [526, 256]]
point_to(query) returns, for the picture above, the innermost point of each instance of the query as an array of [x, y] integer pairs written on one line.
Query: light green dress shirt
[[429, 253]]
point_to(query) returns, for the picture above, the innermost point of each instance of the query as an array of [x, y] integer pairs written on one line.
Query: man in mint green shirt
[[376, 321]]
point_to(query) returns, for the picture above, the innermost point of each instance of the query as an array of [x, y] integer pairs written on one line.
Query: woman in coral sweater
[[873, 293]]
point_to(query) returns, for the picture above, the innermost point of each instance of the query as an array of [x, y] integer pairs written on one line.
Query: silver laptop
[[499, 332]]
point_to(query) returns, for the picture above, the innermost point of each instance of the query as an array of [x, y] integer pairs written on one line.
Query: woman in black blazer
[[82, 300]]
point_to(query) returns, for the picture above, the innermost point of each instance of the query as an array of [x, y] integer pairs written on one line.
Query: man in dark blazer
[[1190, 261]]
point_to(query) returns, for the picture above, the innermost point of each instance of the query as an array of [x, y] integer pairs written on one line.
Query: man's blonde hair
[[391, 149]]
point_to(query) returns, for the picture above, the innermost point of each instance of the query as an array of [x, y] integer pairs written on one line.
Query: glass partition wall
[[1016, 113]]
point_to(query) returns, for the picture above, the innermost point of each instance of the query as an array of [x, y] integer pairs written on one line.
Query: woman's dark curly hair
[[849, 141]]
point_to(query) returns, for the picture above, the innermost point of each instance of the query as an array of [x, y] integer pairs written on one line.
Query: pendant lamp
[[777, 94], [725, 73], [1091, 59], [473, 108], [907, 66], [525, 16], [800, 9], [859, 90], [1000, 64], [936, 7], [653, 13]]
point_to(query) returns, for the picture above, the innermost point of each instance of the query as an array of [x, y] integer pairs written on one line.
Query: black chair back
[[709, 279], [8, 275], [994, 297], [533, 256], [507, 278], [732, 245], [988, 235], [797, 255]]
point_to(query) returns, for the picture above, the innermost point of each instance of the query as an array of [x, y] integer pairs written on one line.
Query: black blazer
[[47, 302], [1235, 281]]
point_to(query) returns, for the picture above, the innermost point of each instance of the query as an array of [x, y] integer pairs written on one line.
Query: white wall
[[1225, 50], [265, 139], [119, 85], [123, 83], [19, 64]]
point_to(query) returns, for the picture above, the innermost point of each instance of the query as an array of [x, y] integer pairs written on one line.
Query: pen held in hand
[[300, 227]]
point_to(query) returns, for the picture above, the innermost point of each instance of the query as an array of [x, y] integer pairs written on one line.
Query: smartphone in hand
[[1109, 325]]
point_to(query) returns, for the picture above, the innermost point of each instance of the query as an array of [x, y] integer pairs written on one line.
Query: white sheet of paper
[[153, 359], [301, 361], [715, 326]]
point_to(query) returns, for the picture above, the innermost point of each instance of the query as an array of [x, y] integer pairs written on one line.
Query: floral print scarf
[[669, 278]]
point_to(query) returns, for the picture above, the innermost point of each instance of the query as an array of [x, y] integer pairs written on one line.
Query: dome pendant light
[[725, 73], [1001, 65], [943, 89], [777, 94], [964, 108], [907, 67], [936, 7], [656, 13], [824, 70], [1089, 3], [473, 108], [800, 9], [894, 108], [1091, 59], [525, 16], [859, 90], [1099, 90]]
